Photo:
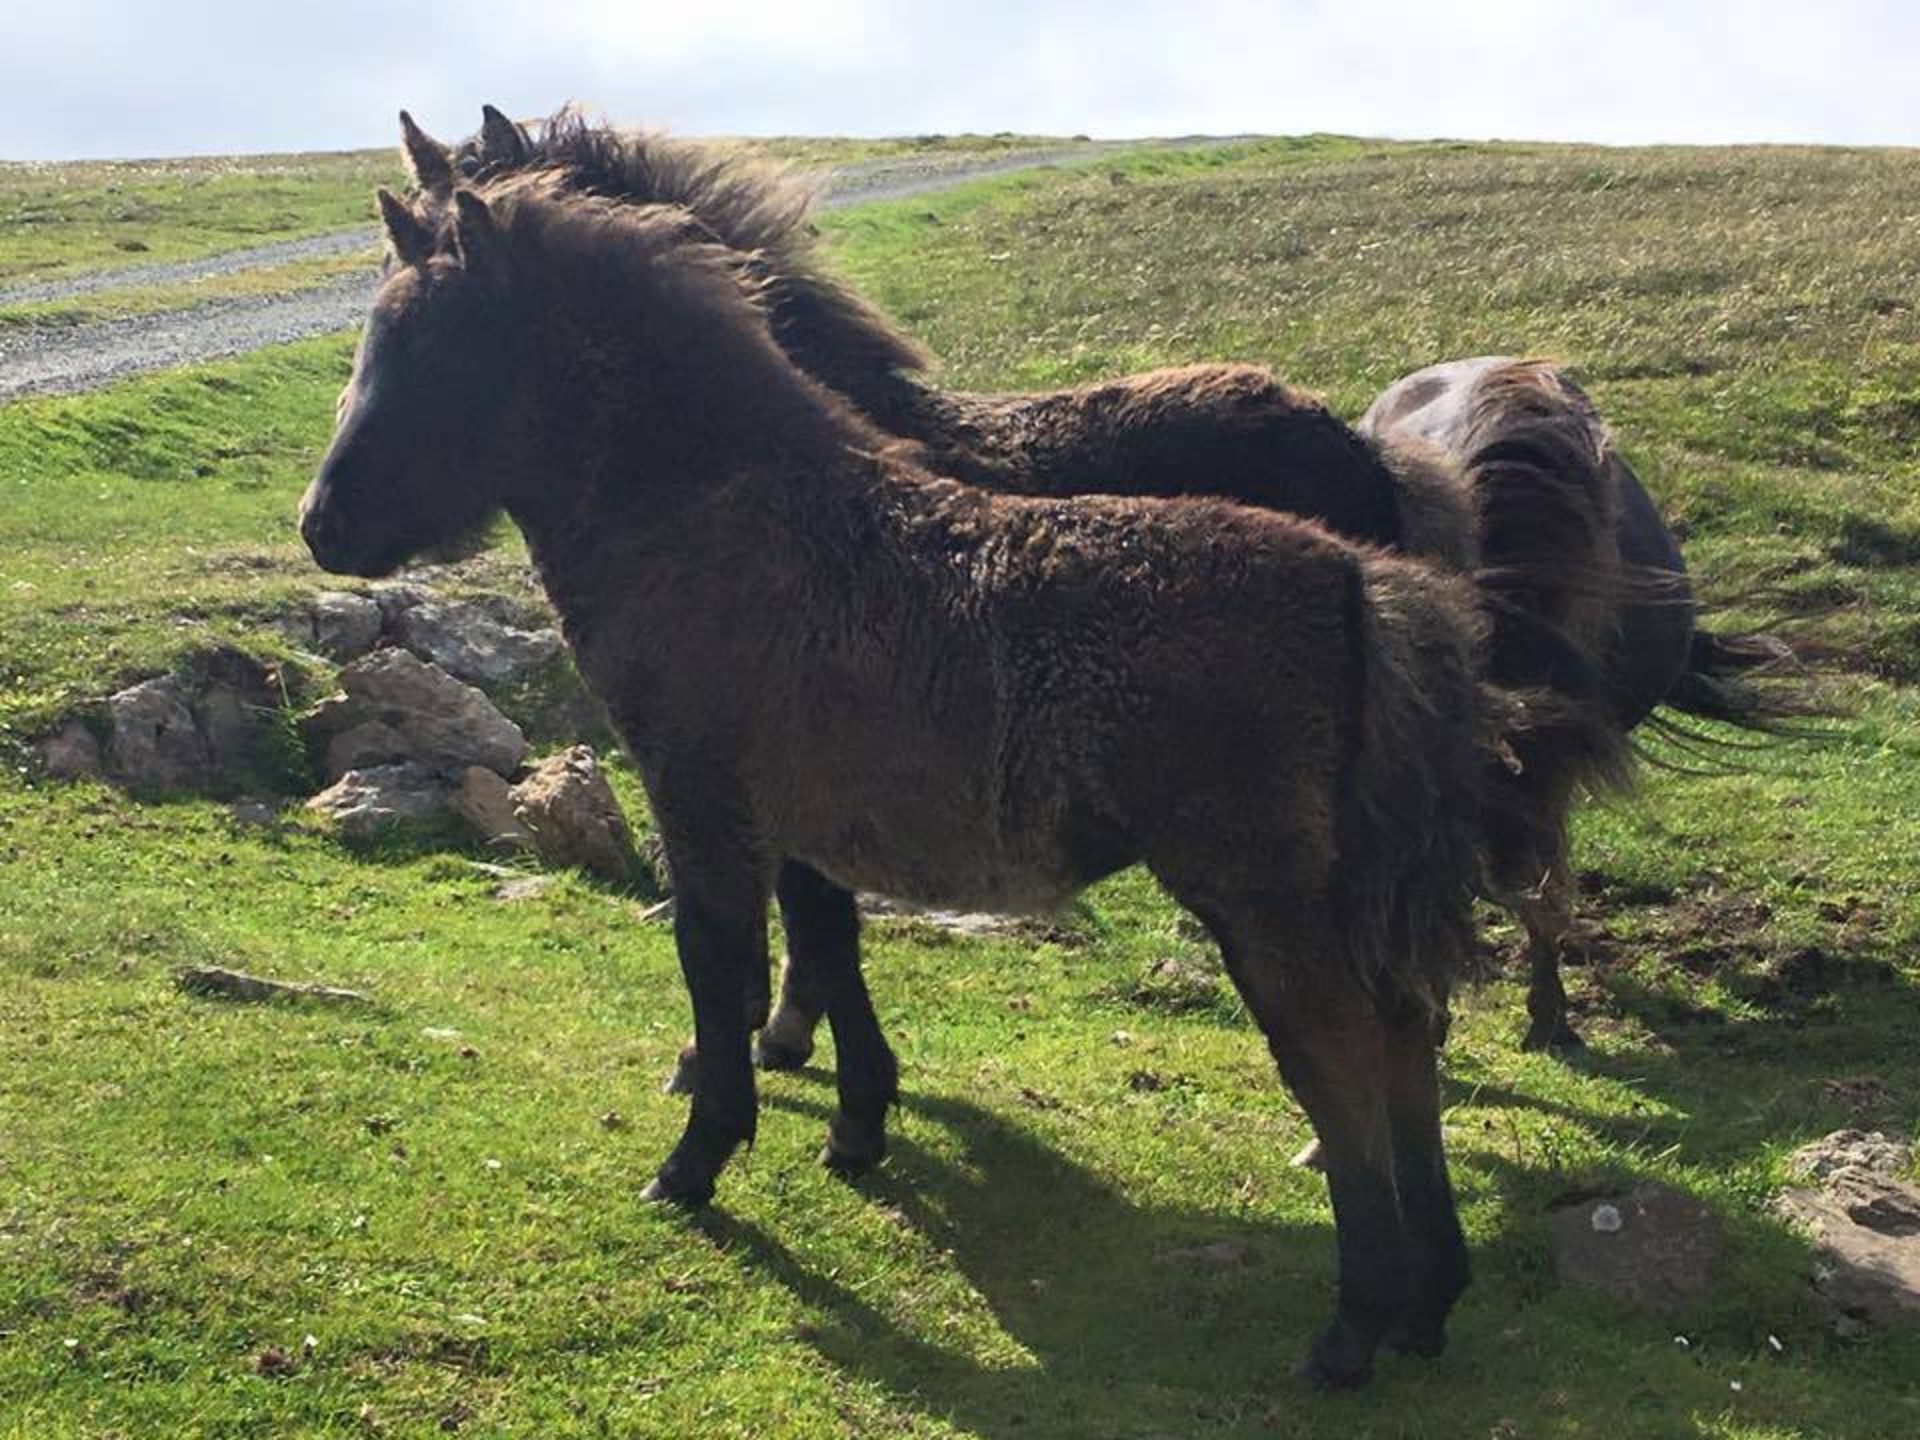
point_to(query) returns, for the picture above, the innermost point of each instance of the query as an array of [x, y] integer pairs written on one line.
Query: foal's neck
[[673, 435]]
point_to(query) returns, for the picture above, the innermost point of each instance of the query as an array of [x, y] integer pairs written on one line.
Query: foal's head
[[428, 429]]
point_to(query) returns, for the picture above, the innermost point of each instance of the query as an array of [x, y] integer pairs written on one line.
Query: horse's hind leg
[[1328, 1039], [823, 948], [1547, 915], [821, 920], [1441, 1268]]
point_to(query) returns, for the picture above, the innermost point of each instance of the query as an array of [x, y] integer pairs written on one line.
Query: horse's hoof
[[666, 1190], [1310, 1156], [1336, 1363], [1553, 1038], [1425, 1339], [685, 1078], [774, 1054], [852, 1148]]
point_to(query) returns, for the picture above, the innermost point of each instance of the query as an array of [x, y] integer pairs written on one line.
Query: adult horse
[[1654, 652], [819, 650], [1503, 465]]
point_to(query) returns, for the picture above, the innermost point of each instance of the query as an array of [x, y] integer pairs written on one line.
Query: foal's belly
[[951, 852]]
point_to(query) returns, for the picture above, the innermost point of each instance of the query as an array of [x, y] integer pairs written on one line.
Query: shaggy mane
[[752, 206]]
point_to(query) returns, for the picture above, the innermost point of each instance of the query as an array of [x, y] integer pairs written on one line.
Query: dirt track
[[64, 358]]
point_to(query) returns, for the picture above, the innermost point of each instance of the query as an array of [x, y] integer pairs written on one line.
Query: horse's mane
[[755, 208]]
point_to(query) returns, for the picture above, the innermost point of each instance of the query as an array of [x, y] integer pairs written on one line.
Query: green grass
[[187, 1186], [72, 218], [58, 220]]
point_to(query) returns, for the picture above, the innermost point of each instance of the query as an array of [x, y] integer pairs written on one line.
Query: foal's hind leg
[[1328, 1039], [821, 922], [1441, 1266], [823, 949], [1547, 915], [809, 907]]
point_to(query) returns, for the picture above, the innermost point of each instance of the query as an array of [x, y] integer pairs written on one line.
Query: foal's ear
[[412, 241], [501, 141], [476, 234], [428, 161]]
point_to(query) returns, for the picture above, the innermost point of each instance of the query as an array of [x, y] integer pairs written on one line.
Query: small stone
[[156, 747], [362, 803], [573, 814], [1214, 1255], [523, 887], [1606, 1219], [485, 802]]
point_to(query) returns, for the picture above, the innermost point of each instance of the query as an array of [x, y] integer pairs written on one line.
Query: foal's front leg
[[816, 914], [720, 928]]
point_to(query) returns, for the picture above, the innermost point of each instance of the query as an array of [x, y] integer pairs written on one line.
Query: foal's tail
[[1410, 842]]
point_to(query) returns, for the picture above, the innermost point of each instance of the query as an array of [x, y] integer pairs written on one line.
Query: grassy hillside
[[189, 1191]]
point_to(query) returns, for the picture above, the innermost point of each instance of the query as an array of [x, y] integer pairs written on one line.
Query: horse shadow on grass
[[1200, 1315], [1112, 1317]]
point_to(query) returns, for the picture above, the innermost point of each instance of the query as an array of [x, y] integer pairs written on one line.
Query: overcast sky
[[169, 77]]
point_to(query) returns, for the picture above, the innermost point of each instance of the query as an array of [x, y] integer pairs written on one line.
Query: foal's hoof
[[685, 1078], [1554, 1037], [1337, 1362], [853, 1147], [772, 1053], [787, 1041]]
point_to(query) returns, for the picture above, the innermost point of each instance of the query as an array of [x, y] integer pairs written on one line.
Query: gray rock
[[395, 708], [463, 639], [345, 626], [575, 819], [156, 746], [362, 803], [71, 752], [395, 597], [485, 801], [1654, 1247], [1864, 1218]]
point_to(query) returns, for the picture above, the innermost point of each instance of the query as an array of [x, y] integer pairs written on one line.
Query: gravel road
[[62, 359]]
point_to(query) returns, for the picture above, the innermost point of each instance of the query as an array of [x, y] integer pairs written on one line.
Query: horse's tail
[[1552, 583], [1747, 679], [1409, 842]]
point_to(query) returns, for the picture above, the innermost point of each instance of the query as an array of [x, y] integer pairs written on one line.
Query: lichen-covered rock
[[485, 801], [71, 752], [1869, 1150], [156, 747], [396, 708], [463, 639], [1864, 1217], [575, 819], [362, 803]]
